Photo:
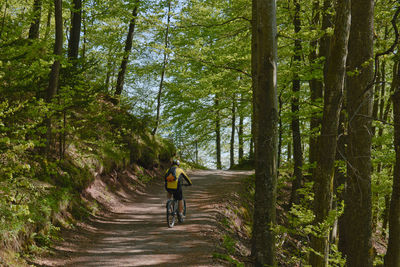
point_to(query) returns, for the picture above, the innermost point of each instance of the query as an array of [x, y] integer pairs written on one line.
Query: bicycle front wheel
[[170, 214]]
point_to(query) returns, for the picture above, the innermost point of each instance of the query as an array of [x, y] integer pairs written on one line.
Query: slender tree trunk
[[340, 176], [280, 106], [395, 81], [55, 69], [392, 258], [75, 31], [316, 86], [127, 51], [35, 25], [163, 69], [218, 134], [3, 20], [84, 22], [324, 171], [266, 144], [251, 149], [48, 22], [295, 124], [233, 124], [254, 47], [240, 132], [358, 204]]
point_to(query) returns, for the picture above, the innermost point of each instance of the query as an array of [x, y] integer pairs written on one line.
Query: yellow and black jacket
[[174, 177]]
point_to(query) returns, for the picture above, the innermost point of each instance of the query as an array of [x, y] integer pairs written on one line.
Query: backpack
[[171, 179]]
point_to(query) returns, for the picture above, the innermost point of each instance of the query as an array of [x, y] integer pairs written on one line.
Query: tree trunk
[[240, 131], [340, 176], [55, 69], [392, 258], [84, 22], [280, 104], [316, 86], [163, 69], [324, 171], [35, 25], [233, 124], [358, 206], [218, 134], [254, 47], [75, 31], [266, 138], [48, 22], [295, 124], [127, 51], [395, 80]]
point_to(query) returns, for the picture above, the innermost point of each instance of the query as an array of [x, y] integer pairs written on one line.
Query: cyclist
[[173, 184]]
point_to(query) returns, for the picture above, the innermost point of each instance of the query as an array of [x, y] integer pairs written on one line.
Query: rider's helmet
[[175, 162]]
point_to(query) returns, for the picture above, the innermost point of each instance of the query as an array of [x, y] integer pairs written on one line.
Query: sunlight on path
[[139, 236]]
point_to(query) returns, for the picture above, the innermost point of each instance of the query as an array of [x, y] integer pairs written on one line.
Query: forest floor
[[134, 232]]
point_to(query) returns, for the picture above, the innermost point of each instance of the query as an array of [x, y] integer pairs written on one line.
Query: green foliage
[[228, 259]]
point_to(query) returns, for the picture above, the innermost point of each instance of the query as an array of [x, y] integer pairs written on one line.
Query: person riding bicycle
[[173, 184]]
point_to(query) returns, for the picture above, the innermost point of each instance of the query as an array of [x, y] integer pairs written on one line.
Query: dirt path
[[138, 234]]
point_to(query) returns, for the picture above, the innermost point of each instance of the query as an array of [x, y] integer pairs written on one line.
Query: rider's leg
[[169, 195], [180, 205]]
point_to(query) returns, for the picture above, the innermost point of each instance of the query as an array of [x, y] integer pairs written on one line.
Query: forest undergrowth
[[293, 228], [43, 193]]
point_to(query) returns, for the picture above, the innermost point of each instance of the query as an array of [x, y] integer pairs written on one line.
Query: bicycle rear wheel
[[184, 207], [170, 213]]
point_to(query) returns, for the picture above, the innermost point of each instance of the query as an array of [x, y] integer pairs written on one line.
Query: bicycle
[[173, 213]]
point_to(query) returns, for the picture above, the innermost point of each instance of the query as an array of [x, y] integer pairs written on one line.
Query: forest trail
[[138, 234]]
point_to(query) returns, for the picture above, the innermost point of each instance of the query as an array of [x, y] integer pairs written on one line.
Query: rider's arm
[[186, 178]]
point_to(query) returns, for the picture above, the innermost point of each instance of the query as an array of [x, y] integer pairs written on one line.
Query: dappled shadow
[[139, 236]]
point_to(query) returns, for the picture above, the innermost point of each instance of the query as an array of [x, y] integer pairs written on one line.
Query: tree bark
[[127, 51], [233, 124], [395, 80], [35, 25], [163, 69], [357, 212], [316, 86], [266, 138], [240, 132], [55, 69], [324, 171], [392, 257], [295, 123], [75, 31], [48, 22], [218, 134], [280, 129]]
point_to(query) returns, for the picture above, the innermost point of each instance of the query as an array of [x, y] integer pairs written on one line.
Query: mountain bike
[[173, 212]]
